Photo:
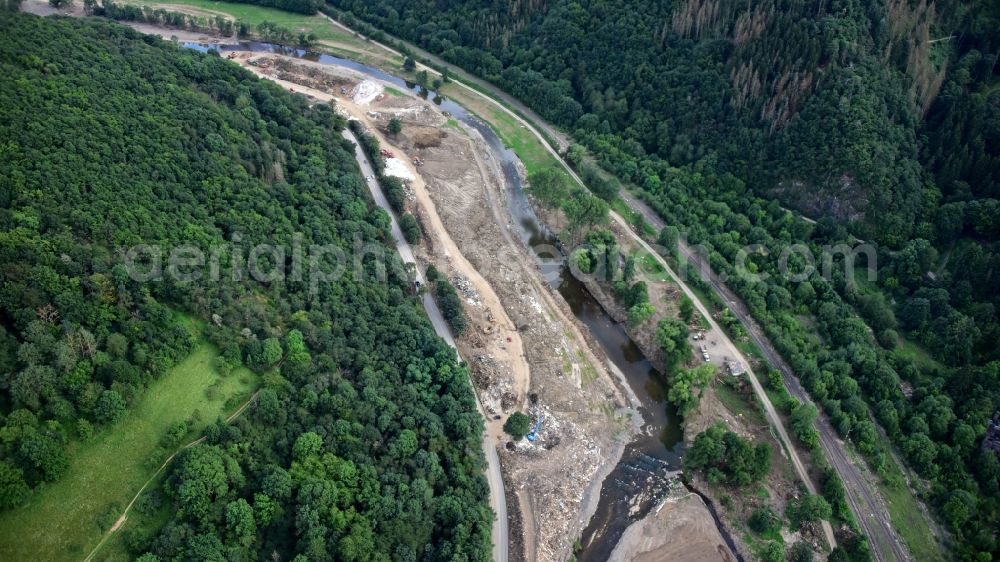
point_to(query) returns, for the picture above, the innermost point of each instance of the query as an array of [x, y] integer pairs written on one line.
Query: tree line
[[364, 441], [720, 112]]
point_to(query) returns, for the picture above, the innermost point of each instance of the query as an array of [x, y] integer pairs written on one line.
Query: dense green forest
[[879, 119], [364, 442]]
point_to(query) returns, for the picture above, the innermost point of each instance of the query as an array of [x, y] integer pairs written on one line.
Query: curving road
[[719, 335], [771, 412], [861, 494], [498, 500]]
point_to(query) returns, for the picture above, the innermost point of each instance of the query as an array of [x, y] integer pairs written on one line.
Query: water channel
[[637, 482]]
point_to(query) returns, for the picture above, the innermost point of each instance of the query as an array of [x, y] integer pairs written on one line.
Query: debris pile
[[495, 384], [464, 286], [366, 92]]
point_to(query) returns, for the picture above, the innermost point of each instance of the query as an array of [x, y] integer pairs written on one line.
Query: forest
[[880, 120], [364, 440]]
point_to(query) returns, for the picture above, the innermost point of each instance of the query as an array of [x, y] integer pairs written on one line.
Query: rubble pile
[[464, 286]]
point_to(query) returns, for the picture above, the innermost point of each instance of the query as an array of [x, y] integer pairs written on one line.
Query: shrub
[[411, 228], [517, 425], [764, 521]]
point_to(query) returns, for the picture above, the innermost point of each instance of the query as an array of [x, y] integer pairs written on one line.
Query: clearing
[[67, 519]]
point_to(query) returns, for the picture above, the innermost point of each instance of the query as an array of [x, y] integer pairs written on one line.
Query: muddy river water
[[639, 480]]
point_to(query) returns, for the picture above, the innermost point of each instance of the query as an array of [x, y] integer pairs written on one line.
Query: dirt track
[[527, 350], [862, 494], [572, 385], [569, 384]]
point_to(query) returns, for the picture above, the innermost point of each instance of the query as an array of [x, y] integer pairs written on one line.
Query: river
[[639, 480]]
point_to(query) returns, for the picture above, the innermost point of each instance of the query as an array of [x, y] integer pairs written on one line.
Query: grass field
[[60, 522], [738, 405], [907, 518], [254, 15], [920, 356], [517, 137]]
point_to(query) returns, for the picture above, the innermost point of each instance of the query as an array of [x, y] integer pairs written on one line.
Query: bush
[[450, 304], [395, 193], [640, 313], [801, 552], [84, 429], [395, 126], [764, 521], [175, 433], [686, 309], [517, 425], [432, 274], [13, 488], [727, 457], [110, 407], [411, 228], [771, 551], [807, 508]]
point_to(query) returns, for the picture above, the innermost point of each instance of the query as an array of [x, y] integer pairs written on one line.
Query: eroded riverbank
[[595, 393], [539, 473]]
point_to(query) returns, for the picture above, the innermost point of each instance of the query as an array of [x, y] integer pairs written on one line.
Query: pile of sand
[[396, 167], [366, 91]]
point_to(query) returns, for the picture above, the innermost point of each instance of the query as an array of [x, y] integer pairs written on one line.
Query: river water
[[639, 480]]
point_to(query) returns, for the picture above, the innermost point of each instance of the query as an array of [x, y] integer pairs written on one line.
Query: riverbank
[[679, 528], [569, 384], [576, 381], [728, 400]]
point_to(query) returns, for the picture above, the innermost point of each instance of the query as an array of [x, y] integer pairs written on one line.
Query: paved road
[[861, 493], [861, 496], [772, 414], [774, 419], [498, 500]]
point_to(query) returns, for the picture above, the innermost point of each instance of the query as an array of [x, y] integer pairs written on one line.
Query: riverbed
[[643, 475]]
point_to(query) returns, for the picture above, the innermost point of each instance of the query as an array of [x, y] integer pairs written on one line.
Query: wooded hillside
[[879, 119], [364, 442]]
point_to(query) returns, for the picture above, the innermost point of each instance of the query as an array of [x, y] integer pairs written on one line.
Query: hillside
[[880, 120], [122, 150], [760, 85]]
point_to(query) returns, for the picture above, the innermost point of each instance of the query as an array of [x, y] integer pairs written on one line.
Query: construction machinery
[[386, 152]]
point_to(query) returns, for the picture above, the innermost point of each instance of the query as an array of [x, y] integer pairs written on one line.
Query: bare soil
[[781, 483], [527, 352], [680, 528]]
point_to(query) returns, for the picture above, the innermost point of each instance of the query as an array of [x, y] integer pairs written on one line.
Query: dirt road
[[881, 532], [498, 500], [124, 516], [587, 415], [463, 79], [772, 415], [861, 493], [731, 350]]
